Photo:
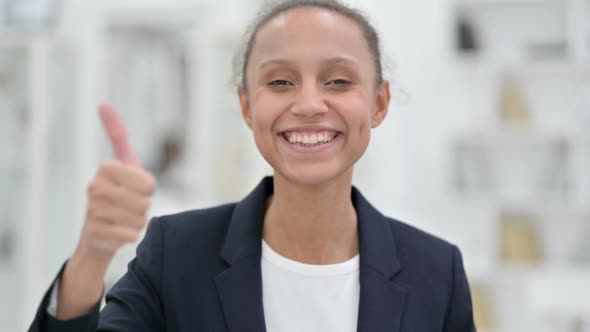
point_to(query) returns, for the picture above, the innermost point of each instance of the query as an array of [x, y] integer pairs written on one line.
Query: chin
[[314, 176]]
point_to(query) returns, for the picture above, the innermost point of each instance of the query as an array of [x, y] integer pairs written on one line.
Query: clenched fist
[[119, 198], [118, 202]]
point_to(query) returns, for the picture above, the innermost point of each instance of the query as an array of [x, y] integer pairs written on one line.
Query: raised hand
[[119, 198]]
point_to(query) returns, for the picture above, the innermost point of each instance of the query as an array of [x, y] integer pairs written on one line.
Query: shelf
[[550, 68], [528, 74], [514, 169], [509, 2], [514, 31]]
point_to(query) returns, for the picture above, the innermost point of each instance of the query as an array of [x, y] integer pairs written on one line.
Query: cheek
[[356, 112], [265, 110]]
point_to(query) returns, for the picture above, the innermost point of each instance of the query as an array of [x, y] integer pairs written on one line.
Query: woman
[[304, 251]]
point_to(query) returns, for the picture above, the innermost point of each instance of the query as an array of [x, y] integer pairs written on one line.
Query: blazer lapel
[[240, 286], [240, 293], [382, 301]]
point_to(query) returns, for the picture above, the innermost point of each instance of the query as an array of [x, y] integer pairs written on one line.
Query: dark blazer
[[200, 271]]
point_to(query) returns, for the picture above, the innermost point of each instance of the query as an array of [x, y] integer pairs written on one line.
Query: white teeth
[[310, 139]]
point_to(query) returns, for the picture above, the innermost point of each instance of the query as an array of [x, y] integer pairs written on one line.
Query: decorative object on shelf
[[467, 40], [519, 239], [483, 305], [579, 325], [513, 106], [568, 324]]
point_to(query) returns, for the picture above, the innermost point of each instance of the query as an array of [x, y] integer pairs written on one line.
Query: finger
[[117, 133], [107, 192], [133, 178], [116, 215]]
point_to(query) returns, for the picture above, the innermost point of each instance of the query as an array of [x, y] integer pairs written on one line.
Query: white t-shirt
[[312, 298]]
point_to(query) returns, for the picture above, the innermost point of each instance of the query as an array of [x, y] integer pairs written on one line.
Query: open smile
[[308, 141]]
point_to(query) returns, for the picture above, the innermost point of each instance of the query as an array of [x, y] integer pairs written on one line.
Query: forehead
[[308, 34]]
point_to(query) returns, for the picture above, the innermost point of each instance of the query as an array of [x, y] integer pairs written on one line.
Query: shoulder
[[193, 230], [408, 235], [418, 248], [205, 220]]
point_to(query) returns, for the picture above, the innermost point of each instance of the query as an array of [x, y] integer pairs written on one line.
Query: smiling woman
[[304, 251]]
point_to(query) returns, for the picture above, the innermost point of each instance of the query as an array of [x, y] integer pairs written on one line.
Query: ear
[[381, 104], [245, 106]]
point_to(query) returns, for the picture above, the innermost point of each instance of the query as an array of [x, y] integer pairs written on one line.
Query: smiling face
[[312, 95]]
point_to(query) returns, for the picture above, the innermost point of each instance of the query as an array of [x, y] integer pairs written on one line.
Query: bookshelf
[[531, 132]]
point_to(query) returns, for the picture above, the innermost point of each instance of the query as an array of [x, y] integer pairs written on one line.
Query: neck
[[314, 224]]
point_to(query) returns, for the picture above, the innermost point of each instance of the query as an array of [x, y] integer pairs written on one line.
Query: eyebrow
[[327, 62]]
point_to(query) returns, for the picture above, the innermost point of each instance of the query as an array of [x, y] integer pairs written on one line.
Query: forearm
[[82, 283]]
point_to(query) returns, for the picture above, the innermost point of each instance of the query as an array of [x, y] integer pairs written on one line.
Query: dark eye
[[338, 82], [280, 82]]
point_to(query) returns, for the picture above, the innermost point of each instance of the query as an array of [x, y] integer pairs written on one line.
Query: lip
[[309, 129]]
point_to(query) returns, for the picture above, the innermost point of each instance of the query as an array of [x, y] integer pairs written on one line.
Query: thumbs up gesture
[[119, 198]]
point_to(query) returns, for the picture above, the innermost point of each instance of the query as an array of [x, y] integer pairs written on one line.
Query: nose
[[309, 102]]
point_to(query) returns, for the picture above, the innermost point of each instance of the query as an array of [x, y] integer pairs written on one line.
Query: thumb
[[118, 136]]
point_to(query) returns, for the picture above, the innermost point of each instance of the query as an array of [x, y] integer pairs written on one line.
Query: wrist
[[82, 282], [87, 269], [90, 259]]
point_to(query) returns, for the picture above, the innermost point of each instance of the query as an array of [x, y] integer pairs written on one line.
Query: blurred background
[[487, 143]]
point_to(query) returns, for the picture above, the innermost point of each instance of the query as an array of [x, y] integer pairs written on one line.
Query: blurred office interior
[[487, 142]]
